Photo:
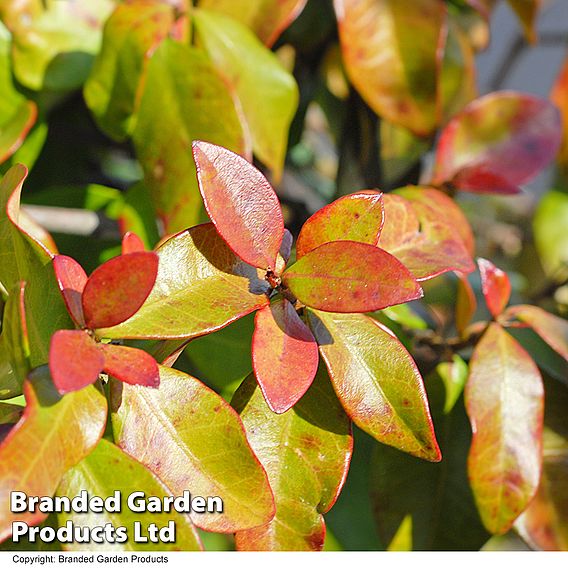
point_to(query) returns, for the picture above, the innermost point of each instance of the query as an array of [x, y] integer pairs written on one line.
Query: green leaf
[[427, 246], [198, 444], [377, 381], [267, 18], [550, 234], [504, 400], [356, 217], [313, 446], [241, 203], [267, 92], [106, 470], [54, 42], [112, 89], [434, 498], [54, 434], [453, 374], [201, 287], [400, 84], [183, 74], [346, 276], [14, 345]]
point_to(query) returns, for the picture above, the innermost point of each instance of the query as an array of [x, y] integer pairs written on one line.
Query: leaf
[[184, 74], [355, 217], [106, 470], [195, 265], [14, 344], [400, 85], [54, 42], [74, 360], [495, 285], [53, 435], [17, 114], [267, 92], [267, 18], [71, 279], [454, 375], [284, 355], [527, 11], [428, 248], [199, 444], [427, 204], [504, 402], [306, 453], [377, 381], [434, 497], [113, 87], [559, 96], [241, 203], [345, 276], [466, 304], [550, 235], [552, 329], [132, 366], [498, 142], [131, 242]]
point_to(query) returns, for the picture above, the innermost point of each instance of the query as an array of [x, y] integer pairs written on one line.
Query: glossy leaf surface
[[355, 217], [377, 381], [504, 402], [284, 355], [116, 289], [306, 454], [74, 360], [53, 435], [199, 444], [267, 18], [106, 470], [185, 74], [426, 246], [113, 87], [194, 265], [129, 365], [241, 203], [434, 498], [266, 91], [401, 84], [498, 142], [551, 328], [495, 285], [71, 279], [346, 276]]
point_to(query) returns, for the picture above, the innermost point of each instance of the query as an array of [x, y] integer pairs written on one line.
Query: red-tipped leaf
[[116, 289], [71, 279], [498, 142], [356, 217], [131, 242], [74, 360], [241, 203], [129, 365], [346, 276], [504, 401], [495, 285], [284, 355]]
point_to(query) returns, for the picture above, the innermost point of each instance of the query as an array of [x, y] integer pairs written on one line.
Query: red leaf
[[466, 303], [498, 142], [552, 329], [116, 289], [129, 365], [71, 279], [74, 360], [346, 276], [495, 285], [131, 242], [241, 204], [284, 355], [504, 400], [356, 217]]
